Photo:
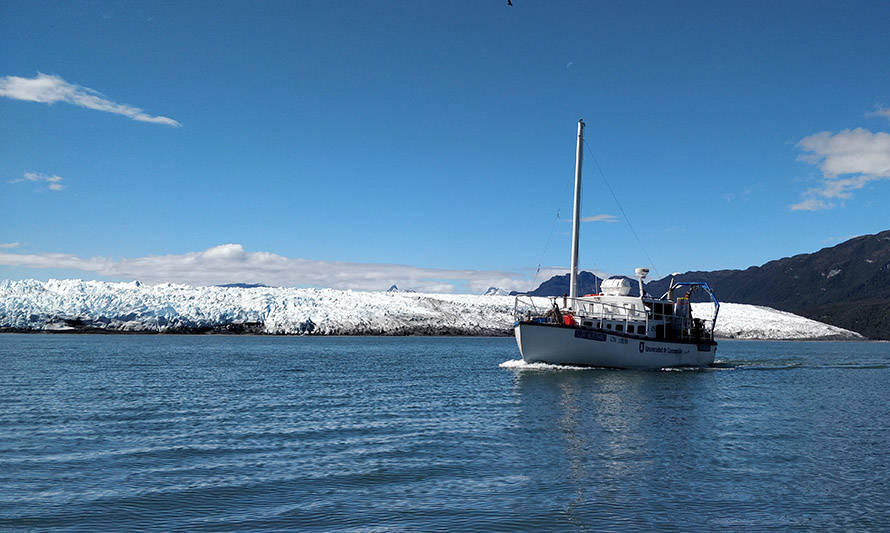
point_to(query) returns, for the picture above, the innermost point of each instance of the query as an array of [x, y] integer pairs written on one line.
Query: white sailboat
[[611, 328]]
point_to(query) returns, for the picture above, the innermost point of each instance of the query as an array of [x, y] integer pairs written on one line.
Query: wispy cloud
[[49, 89], [836, 240], [231, 263], [53, 183], [600, 218], [880, 111], [811, 204], [848, 160], [732, 196], [8, 244]]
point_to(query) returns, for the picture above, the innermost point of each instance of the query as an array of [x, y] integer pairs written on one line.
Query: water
[[239, 433]]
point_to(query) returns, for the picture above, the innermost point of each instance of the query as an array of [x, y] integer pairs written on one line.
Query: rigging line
[[626, 218], [547, 243], [567, 188]]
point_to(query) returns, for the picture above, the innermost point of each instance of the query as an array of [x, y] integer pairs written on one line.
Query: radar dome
[[616, 287]]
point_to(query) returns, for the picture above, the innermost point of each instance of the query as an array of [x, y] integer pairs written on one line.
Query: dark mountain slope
[[854, 270], [847, 285], [559, 285]]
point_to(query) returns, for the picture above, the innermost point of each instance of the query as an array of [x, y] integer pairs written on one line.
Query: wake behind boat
[[611, 328]]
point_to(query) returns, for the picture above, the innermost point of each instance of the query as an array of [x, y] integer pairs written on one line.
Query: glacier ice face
[[64, 305], [743, 321], [55, 304]]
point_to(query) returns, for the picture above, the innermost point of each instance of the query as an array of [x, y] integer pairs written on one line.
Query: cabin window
[[641, 330], [588, 323], [659, 309], [619, 327], [608, 326], [668, 309]]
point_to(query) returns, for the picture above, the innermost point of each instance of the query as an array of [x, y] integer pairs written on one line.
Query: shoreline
[[444, 334]]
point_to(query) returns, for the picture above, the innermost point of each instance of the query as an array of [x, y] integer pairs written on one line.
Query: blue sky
[[431, 144]]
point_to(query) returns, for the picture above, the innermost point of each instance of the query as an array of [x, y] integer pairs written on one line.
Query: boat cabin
[[614, 311]]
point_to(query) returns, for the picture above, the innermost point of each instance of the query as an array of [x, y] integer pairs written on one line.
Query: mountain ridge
[[846, 285]]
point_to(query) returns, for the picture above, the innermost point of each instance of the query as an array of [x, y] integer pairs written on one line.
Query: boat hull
[[566, 345]]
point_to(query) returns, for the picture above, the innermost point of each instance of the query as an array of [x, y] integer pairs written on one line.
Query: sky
[[431, 144]]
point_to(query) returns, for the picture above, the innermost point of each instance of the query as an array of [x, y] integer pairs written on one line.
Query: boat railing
[[587, 308], [525, 307]]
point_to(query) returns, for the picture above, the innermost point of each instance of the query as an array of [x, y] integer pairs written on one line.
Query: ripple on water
[[429, 434]]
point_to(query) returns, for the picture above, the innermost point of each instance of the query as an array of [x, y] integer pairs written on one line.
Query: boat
[[612, 328]]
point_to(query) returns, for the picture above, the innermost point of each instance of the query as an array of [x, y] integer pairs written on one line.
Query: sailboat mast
[[576, 213]]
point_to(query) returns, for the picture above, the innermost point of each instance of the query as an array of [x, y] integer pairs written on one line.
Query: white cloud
[[51, 89], [848, 160], [856, 151], [54, 183], [600, 218], [231, 263], [811, 204], [731, 196], [880, 111], [8, 244]]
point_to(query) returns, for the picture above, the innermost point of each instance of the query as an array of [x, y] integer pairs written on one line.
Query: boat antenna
[[576, 213], [626, 218]]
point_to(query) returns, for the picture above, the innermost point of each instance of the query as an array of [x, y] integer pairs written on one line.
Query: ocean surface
[[295, 433]]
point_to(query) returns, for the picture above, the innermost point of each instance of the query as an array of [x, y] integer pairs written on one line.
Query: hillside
[[559, 285], [847, 285]]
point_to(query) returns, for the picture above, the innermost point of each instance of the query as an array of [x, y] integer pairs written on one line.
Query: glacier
[[99, 306]]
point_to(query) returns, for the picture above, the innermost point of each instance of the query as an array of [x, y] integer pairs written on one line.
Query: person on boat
[[554, 314]]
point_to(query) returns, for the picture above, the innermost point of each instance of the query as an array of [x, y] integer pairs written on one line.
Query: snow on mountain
[[61, 305], [395, 288], [494, 291]]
